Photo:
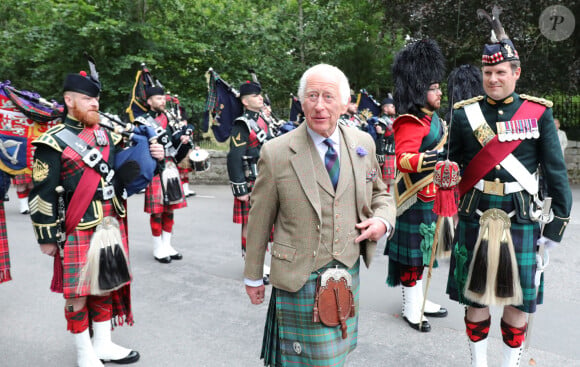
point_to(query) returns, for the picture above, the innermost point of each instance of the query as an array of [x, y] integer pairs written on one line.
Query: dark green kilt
[[292, 339], [412, 240], [524, 237]]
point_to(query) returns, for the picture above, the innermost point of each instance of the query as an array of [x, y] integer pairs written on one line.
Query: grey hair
[[343, 86]]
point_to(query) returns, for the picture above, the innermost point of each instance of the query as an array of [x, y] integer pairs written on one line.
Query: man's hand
[[157, 151], [243, 197], [49, 249], [372, 228], [256, 294], [184, 139]]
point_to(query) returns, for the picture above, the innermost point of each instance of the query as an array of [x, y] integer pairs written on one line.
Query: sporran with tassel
[[172, 189], [493, 277], [107, 266]]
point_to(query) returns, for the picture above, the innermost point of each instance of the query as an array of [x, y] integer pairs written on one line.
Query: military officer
[[498, 140]]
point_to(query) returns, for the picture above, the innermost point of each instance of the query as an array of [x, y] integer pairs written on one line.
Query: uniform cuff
[[239, 188]]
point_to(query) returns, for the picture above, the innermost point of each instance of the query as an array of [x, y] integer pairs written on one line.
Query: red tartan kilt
[[75, 254], [154, 198], [389, 168], [241, 211], [22, 179], [4, 251], [242, 208]]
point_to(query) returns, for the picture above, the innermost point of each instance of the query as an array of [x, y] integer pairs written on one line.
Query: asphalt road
[[195, 312]]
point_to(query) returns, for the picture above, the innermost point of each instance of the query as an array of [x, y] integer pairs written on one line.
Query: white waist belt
[[508, 187]]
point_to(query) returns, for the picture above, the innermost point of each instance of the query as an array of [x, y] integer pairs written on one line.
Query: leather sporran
[[172, 189], [107, 267], [334, 301]]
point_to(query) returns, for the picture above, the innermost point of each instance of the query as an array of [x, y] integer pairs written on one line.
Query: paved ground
[[195, 312]]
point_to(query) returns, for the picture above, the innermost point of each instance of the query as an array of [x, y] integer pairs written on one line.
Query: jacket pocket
[[468, 204], [522, 203], [283, 252]]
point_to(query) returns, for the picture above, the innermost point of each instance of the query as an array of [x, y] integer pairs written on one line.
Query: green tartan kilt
[[524, 237], [291, 338], [412, 240]]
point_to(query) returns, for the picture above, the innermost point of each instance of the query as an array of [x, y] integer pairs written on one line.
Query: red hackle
[[446, 178]]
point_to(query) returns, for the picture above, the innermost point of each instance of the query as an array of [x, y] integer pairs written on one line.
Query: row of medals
[[517, 130]]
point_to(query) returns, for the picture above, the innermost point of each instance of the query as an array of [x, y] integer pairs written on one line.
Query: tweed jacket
[[287, 195]]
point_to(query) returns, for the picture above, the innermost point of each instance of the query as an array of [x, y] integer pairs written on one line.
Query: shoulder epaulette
[[542, 101], [116, 138], [465, 102], [407, 116], [48, 139]]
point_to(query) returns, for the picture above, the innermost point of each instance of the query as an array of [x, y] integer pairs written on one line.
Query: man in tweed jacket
[[317, 226]]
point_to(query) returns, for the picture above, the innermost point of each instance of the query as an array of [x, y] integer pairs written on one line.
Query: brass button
[[498, 167], [500, 112]]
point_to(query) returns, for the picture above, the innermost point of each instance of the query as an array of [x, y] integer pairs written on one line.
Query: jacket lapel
[[303, 164], [357, 164]]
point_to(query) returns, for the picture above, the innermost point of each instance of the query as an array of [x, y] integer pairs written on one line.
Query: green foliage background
[[43, 40]]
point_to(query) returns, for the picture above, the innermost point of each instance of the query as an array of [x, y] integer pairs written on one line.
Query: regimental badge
[[483, 134], [39, 170], [101, 137]]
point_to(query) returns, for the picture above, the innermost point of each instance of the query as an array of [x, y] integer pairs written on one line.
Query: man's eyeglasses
[[434, 90]]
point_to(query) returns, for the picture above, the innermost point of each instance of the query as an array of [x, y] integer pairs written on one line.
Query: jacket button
[[318, 227], [314, 253], [498, 167]]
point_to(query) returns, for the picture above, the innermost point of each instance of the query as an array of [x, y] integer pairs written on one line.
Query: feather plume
[[497, 32], [92, 67]]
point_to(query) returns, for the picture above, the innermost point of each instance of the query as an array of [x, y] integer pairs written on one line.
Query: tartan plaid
[[75, 254], [154, 198], [4, 251], [404, 248], [289, 321], [524, 237], [388, 168], [242, 208], [22, 179]]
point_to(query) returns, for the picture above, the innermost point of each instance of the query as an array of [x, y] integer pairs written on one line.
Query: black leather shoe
[[163, 260], [441, 313], [132, 357], [266, 279], [177, 256], [424, 327]]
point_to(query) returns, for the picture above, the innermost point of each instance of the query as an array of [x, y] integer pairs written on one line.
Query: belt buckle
[[493, 188]]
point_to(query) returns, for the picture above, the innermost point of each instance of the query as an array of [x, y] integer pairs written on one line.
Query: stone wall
[[218, 173], [572, 157]]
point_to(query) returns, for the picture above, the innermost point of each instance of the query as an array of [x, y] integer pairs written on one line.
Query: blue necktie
[[331, 162]]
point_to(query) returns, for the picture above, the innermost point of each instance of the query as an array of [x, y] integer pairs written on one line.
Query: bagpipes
[[134, 165], [24, 117]]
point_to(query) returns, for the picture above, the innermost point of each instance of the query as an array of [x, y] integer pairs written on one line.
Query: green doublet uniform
[[51, 170], [541, 150]]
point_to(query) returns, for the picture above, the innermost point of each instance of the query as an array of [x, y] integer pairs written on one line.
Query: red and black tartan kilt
[[242, 208], [4, 251], [75, 254], [388, 168], [22, 179], [154, 198]]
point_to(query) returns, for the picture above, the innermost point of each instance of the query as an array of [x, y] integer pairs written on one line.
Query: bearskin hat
[[464, 82], [415, 68]]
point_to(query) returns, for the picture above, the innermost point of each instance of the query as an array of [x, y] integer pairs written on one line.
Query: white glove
[[548, 243]]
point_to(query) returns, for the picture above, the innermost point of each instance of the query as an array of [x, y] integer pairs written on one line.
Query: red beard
[[87, 117]]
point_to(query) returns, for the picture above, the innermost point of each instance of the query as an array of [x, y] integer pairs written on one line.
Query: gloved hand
[[548, 243]]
